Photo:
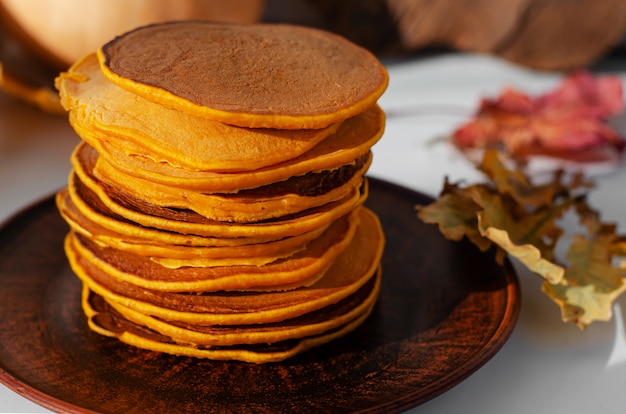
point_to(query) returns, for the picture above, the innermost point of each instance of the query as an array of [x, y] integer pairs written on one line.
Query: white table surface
[[545, 367]]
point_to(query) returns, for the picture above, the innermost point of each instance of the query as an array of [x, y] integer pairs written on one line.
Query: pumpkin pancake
[[115, 282], [103, 319], [97, 105], [269, 202], [114, 225], [113, 209], [260, 75], [353, 140], [312, 323], [250, 253], [107, 228], [215, 203], [335, 236], [131, 269]]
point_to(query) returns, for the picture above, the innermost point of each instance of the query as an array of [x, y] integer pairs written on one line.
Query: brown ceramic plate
[[444, 310]]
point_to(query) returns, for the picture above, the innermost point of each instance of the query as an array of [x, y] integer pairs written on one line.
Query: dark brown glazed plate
[[444, 310]]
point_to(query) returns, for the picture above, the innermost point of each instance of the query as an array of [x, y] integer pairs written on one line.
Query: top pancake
[[259, 75], [100, 108]]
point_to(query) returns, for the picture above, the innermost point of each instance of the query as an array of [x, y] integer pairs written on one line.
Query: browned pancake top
[[272, 72]]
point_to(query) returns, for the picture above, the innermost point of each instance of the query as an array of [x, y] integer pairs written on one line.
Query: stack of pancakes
[[216, 198]]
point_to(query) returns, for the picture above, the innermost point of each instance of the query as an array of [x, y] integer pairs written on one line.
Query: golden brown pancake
[[306, 265], [113, 225], [268, 202], [98, 106], [103, 275], [311, 323], [170, 259], [244, 206], [353, 140], [216, 200], [227, 308], [244, 251], [102, 318], [263, 75], [113, 209], [107, 228]]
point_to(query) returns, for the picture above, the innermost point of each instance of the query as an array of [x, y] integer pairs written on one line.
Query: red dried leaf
[[572, 117], [585, 96]]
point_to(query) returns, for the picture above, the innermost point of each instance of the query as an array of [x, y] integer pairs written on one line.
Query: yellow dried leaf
[[516, 183], [527, 254], [519, 186], [537, 228], [583, 304], [455, 214], [591, 283], [590, 261], [522, 220]]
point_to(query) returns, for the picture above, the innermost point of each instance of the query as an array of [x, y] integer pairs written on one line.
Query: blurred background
[[38, 38]]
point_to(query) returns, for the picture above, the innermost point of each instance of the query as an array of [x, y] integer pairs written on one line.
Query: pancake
[[112, 230], [215, 203], [263, 75], [113, 210], [104, 320], [312, 323], [298, 269], [223, 308], [113, 226], [353, 140], [98, 106], [312, 184], [269, 202], [242, 250], [169, 259]]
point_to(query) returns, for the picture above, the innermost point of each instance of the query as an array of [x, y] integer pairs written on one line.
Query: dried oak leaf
[[456, 215], [591, 283], [529, 236], [517, 184], [522, 220]]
